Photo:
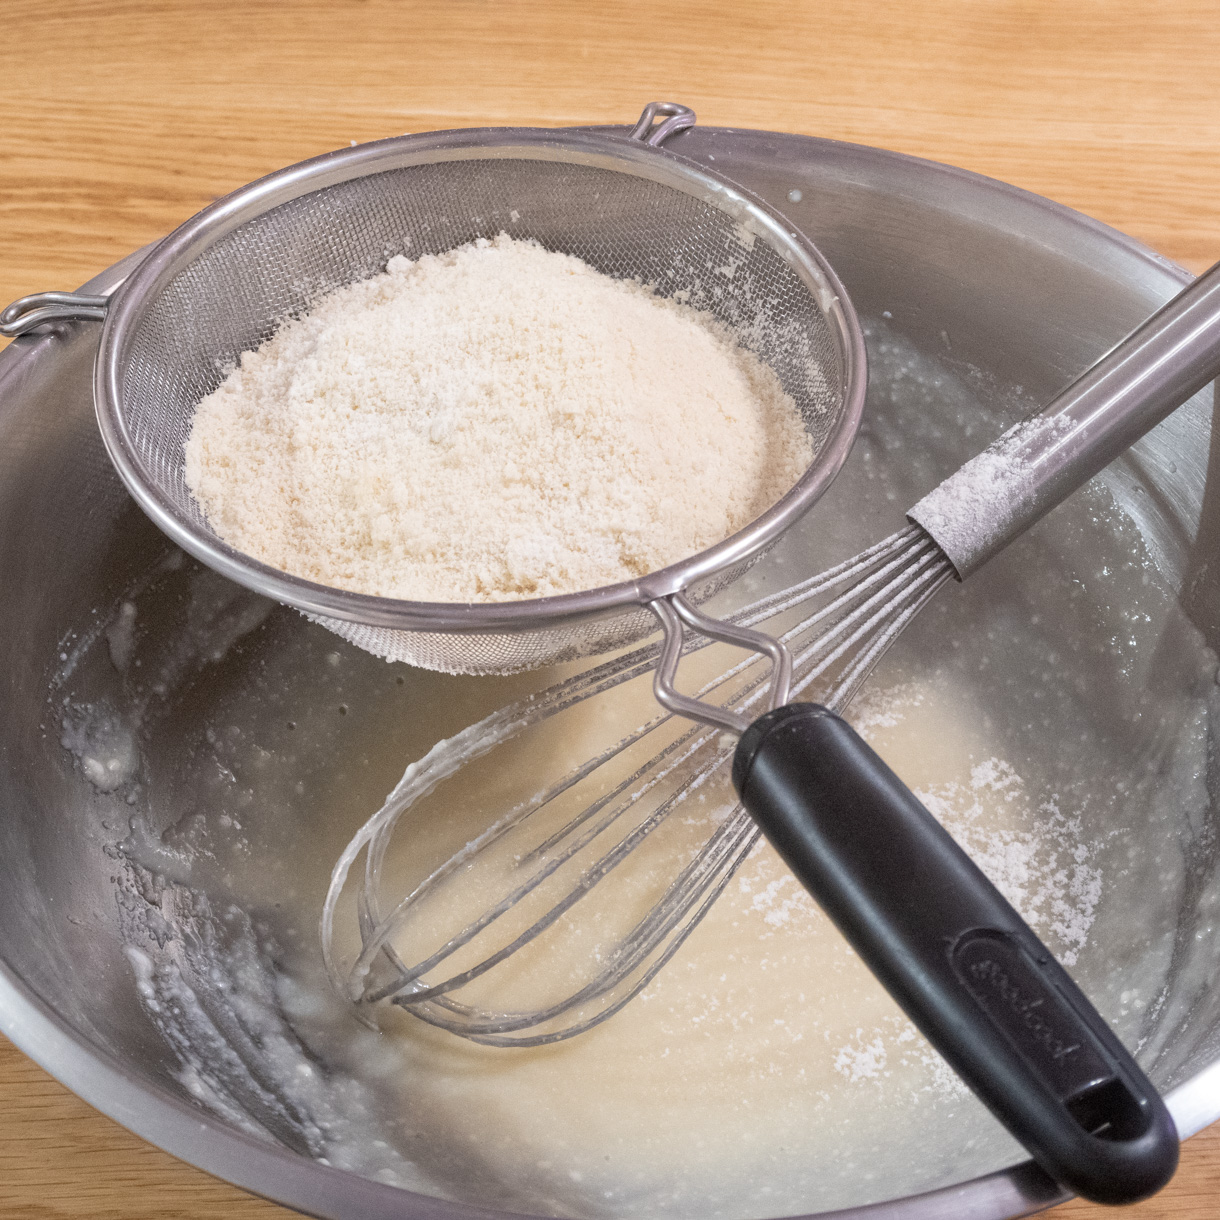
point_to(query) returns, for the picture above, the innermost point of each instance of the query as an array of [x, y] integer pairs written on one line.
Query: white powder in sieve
[[496, 422]]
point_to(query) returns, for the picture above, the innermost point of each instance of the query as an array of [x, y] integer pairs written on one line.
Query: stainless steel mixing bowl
[[1007, 288]]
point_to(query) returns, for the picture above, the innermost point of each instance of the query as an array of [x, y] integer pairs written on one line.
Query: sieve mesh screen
[[234, 292]]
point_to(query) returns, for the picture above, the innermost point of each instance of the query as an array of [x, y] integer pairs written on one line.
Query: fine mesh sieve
[[224, 282]]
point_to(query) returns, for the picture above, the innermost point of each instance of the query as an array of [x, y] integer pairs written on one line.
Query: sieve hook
[[675, 610], [25, 313], [676, 117]]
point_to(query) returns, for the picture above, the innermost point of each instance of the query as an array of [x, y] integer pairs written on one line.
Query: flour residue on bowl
[[103, 742], [103, 733]]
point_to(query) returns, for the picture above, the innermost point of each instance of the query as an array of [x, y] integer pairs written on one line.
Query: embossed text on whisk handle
[[1030, 1010]]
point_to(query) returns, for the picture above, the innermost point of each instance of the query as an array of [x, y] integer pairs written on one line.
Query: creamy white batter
[[744, 1077]]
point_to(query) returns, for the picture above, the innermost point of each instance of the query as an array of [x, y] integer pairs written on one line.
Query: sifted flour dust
[[496, 422]]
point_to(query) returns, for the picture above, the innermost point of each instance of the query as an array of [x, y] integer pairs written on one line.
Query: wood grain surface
[[120, 119]]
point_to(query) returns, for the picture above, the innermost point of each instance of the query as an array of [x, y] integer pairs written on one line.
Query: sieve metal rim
[[601, 149]]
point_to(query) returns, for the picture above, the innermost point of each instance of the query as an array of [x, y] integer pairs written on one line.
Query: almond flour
[[492, 423]]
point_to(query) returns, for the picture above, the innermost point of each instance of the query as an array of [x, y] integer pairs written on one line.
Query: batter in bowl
[[254, 745]]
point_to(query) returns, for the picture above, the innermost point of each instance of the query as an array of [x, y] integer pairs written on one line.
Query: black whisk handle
[[955, 955]]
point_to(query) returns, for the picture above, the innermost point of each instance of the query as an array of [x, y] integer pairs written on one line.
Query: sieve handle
[[25, 313], [955, 955], [674, 118], [1035, 465]]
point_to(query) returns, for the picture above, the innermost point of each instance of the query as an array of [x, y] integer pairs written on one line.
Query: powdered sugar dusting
[[861, 1060], [1046, 871], [979, 508], [779, 901]]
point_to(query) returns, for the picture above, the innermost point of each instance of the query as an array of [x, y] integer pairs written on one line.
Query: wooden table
[[120, 119]]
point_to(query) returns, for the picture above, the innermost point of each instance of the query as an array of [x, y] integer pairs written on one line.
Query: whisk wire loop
[[853, 614]]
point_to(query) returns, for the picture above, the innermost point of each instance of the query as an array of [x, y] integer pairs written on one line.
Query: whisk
[[847, 617]]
